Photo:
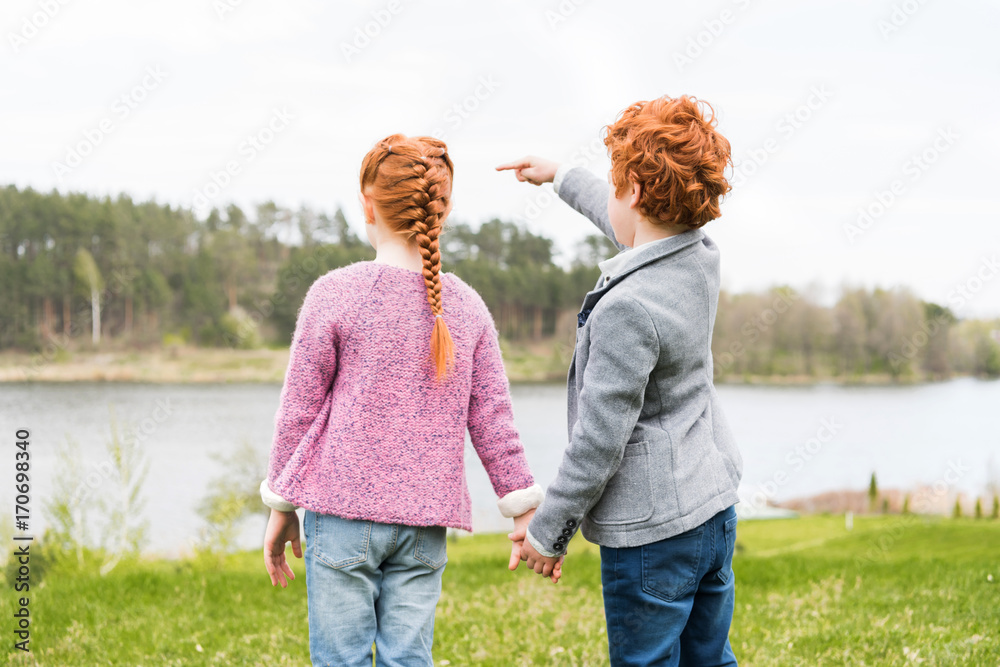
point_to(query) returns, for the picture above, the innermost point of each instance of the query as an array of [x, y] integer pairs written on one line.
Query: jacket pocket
[[339, 542], [628, 496]]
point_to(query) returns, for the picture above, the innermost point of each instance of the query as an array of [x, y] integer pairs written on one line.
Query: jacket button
[[571, 523], [567, 532], [557, 546], [561, 539]]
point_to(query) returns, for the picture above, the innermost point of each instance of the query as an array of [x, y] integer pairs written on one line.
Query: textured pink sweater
[[364, 430]]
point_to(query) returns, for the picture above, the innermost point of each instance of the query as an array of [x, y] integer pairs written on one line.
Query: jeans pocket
[[670, 566], [628, 496], [432, 546], [339, 542], [729, 532]]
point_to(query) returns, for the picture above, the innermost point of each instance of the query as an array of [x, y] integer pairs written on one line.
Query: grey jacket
[[650, 453]]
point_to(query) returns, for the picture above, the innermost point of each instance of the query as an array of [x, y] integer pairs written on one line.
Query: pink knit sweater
[[364, 430]]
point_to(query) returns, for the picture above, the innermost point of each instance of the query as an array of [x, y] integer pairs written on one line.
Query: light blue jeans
[[370, 582]]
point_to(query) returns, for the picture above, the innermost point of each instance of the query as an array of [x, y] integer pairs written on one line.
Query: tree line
[[883, 332], [84, 272]]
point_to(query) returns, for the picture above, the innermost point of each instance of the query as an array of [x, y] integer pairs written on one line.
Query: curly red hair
[[670, 147]]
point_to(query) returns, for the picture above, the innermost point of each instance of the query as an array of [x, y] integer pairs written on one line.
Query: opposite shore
[[543, 361]]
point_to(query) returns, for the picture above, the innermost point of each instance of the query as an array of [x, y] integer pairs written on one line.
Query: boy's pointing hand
[[531, 169]]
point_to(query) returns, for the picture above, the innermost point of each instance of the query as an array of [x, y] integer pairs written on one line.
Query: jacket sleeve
[[588, 195], [624, 348], [312, 365], [491, 426]]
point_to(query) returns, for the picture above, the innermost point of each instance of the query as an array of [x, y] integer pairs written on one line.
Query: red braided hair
[[409, 179]]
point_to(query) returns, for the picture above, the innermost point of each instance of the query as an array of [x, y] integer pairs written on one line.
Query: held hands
[[282, 527], [521, 549], [531, 169]]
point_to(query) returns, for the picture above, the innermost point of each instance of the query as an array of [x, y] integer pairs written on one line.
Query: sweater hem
[[380, 517]]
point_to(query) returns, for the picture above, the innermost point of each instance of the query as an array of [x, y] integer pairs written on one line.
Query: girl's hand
[[517, 538], [282, 527], [531, 169], [521, 550]]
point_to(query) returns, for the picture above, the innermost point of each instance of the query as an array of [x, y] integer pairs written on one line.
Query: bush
[[232, 497], [41, 556], [239, 330]]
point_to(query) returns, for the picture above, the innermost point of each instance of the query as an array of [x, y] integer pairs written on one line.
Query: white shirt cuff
[[560, 175], [518, 502], [538, 545], [273, 500]]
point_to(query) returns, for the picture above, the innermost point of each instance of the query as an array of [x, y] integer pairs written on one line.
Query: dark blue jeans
[[671, 602]]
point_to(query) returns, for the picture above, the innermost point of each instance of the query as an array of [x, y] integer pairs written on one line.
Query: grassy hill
[[896, 590]]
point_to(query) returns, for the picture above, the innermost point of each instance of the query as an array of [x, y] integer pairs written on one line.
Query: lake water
[[795, 441]]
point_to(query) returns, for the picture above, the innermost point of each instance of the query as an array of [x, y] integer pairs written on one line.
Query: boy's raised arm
[[587, 194], [575, 185]]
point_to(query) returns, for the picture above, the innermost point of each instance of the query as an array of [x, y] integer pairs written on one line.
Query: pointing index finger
[[522, 164]]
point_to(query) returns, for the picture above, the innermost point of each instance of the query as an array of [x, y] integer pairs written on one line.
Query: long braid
[[415, 197]]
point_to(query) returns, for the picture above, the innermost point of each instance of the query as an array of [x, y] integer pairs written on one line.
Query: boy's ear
[[636, 194]]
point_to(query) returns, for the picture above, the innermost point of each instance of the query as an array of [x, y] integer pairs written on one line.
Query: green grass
[[894, 591]]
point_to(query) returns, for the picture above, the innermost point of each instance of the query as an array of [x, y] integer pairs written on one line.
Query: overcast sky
[[888, 107]]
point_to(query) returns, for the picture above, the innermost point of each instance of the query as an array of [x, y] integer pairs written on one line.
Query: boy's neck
[[647, 232]]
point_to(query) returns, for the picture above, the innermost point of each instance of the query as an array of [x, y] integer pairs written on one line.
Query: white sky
[[552, 84]]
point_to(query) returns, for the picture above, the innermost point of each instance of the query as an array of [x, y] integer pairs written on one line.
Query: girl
[[391, 361]]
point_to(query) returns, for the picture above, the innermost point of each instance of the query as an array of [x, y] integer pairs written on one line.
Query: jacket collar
[[637, 258], [650, 252]]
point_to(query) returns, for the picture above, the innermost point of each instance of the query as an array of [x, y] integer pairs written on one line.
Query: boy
[[651, 470]]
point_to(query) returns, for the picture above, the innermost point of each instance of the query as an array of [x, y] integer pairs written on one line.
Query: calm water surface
[[795, 440]]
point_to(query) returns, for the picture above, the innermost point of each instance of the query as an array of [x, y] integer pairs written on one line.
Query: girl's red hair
[[409, 179]]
